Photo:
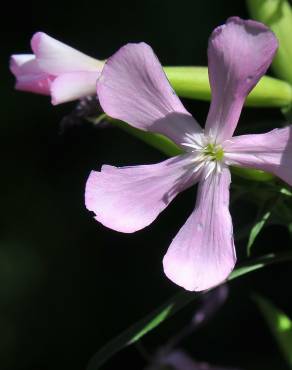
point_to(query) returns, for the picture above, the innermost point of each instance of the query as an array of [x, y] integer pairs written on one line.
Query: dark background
[[67, 284]]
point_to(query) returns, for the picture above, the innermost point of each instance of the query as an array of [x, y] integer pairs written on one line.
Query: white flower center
[[207, 154]]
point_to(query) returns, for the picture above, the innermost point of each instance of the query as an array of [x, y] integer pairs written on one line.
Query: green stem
[[193, 83], [277, 15]]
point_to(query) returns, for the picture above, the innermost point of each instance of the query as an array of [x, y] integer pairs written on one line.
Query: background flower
[[55, 69]]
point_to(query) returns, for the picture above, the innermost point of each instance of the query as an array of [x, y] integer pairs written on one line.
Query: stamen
[[199, 158], [207, 153], [190, 145], [211, 166], [197, 168]]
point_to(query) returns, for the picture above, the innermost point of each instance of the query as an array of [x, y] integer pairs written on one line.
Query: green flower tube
[[193, 83], [277, 14]]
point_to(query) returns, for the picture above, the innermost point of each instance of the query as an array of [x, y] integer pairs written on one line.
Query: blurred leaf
[[250, 174], [193, 83], [282, 214], [272, 194], [256, 229], [285, 191], [275, 207], [266, 208], [167, 310], [157, 141], [280, 325], [277, 14], [287, 112]]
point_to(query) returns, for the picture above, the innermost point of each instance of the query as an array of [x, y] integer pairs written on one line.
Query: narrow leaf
[[167, 310], [256, 229], [280, 325]]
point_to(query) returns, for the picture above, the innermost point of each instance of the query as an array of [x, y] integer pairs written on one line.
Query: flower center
[[208, 156], [214, 152]]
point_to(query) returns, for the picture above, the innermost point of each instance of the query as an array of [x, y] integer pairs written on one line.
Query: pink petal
[[29, 76], [134, 89], [202, 254], [130, 198], [72, 86], [271, 152], [239, 54], [54, 57], [23, 64]]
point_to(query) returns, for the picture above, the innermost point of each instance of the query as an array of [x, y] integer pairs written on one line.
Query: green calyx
[[214, 151]]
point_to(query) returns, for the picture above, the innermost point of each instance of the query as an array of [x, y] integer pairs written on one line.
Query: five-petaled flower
[[134, 88], [55, 69]]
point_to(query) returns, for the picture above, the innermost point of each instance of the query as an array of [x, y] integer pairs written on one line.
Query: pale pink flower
[[134, 88], [55, 69]]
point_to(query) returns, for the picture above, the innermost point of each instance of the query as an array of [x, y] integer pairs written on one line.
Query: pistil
[[214, 152]]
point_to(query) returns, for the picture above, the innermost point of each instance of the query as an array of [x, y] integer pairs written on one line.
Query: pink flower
[[133, 88], [55, 69]]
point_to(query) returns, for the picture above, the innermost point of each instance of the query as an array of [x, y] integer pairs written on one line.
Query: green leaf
[[256, 229], [193, 83], [250, 174], [282, 213], [157, 141], [280, 325], [275, 206], [167, 310], [285, 191]]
